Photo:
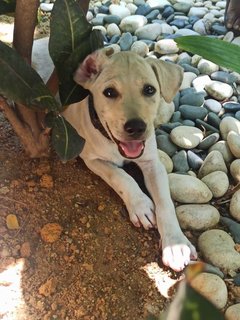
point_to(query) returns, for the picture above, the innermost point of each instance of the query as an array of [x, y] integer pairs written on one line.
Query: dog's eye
[[111, 93], [149, 90]]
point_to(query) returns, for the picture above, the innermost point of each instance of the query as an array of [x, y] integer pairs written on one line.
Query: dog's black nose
[[135, 127]]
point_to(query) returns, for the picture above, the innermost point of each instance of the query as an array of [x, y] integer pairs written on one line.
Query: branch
[[24, 25]]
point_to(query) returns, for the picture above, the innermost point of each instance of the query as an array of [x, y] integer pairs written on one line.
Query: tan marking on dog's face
[[124, 79]]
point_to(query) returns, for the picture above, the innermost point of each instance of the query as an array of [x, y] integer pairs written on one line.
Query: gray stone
[[213, 162], [188, 189], [165, 144], [235, 170], [229, 124], [235, 206], [233, 227], [202, 124], [218, 248], [223, 148], [196, 99], [207, 142], [224, 76], [217, 182], [180, 163], [112, 19], [140, 48], [197, 216], [126, 41], [233, 312], [213, 120], [231, 106], [194, 160], [207, 67], [192, 112]]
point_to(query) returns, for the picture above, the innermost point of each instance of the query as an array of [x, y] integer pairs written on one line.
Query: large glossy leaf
[[7, 6], [69, 91], [22, 84], [65, 139], [69, 28], [196, 307], [71, 40], [220, 52]]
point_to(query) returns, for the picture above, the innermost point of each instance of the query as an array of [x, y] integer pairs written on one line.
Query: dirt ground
[[95, 268]]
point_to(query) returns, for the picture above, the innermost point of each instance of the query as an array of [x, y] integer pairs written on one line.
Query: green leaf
[[7, 6], [22, 84], [196, 307], [69, 27], [220, 52], [65, 139], [71, 40]]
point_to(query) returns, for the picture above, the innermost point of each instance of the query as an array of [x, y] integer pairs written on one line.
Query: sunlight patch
[[12, 302], [162, 279]]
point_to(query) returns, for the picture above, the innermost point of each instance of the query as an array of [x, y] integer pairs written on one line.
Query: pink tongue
[[132, 149]]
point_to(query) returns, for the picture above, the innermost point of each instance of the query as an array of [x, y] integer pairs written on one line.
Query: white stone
[[236, 41], [235, 170], [169, 57], [101, 28], [166, 160], [218, 248], [166, 46], [200, 82], [188, 189], [222, 146], [186, 32], [235, 205], [233, 312], [116, 48], [113, 29], [195, 60], [213, 162], [47, 7], [119, 11], [199, 12], [158, 3], [219, 90], [166, 28], [217, 182], [213, 105], [212, 287], [188, 78], [197, 216], [186, 137], [199, 27], [207, 67], [132, 8], [233, 140], [140, 48], [132, 23], [229, 124], [149, 31]]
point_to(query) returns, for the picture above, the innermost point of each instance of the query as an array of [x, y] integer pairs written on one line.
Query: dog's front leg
[[140, 207], [177, 250]]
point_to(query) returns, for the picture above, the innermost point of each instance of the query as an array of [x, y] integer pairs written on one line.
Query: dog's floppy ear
[[169, 77], [89, 69]]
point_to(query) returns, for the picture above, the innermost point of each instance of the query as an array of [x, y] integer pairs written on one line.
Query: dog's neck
[[94, 117]]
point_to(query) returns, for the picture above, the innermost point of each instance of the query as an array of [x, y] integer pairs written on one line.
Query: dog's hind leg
[[140, 207]]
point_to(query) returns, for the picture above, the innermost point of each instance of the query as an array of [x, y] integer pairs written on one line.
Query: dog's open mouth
[[131, 149]]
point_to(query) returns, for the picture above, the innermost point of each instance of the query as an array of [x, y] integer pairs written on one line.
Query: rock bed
[[199, 139]]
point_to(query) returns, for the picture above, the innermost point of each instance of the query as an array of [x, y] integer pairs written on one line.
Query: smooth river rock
[[235, 170], [217, 182], [229, 124], [188, 189], [186, 137], [219, 90], [166, 160], [233, 140], [233, 312], [235, 205], [197, 216], [218, 248], [211, 287], [213, 162]]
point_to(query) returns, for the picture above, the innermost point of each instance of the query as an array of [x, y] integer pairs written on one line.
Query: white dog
[[117, 122]]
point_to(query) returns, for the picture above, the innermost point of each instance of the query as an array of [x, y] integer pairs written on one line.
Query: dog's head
[[127, 91]]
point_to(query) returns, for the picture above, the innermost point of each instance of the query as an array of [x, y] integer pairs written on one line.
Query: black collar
[[95, 119]]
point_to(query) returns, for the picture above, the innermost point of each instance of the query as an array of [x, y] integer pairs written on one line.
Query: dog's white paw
[[177, 252], [141, 211]]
